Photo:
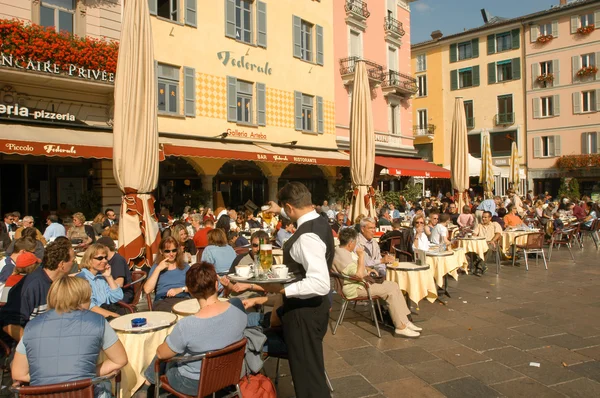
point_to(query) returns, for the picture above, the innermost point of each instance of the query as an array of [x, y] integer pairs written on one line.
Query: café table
[[188, 307], [140, 345], [476, 245], [416, 281], [442, 264], [513, 237]]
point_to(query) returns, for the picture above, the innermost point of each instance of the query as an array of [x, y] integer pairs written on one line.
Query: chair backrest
[[241, 250], [72, 389], [222, 368], [595, 225], [4, 296], [535, 240], [199, 252], [338, 280], [137, 286], [395, 241]]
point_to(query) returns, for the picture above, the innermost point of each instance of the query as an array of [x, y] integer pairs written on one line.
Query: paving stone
[[523, 341], [434, 342], [548, 373], [522, 313], [436, 371], [460, 355], [559, 355], [481, 343], [592, 352], [569, 341], [588, 369], [352, 387], [412, 387], [511, 356], [491, 372], [383, 372], [411, 355], [526, 388], [465, 388], [539, 330], [363, 355], [580, 388]]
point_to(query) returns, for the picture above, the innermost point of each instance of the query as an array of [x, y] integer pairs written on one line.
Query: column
[[331, 186], [207, 185], [273, 187]]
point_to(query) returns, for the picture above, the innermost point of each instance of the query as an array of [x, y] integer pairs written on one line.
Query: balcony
[[357, 13], [504, 119], [424, 130], [399, 84], [470, 122], [374, 70], [393, 30]]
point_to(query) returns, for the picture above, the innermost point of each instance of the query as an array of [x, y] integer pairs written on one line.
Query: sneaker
[[407, 332], [414, 327]]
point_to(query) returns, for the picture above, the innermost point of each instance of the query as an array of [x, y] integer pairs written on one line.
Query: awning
[[252, 151], [402, 167]]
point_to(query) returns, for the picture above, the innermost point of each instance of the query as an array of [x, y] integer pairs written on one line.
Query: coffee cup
[[242, 270], [280, 271]]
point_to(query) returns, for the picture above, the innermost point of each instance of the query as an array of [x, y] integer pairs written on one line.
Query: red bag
[[257, 386]]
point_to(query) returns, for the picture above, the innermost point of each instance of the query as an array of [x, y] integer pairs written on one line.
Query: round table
[[442, 264], [510, 238], [474, 245], [415, 280], [189, 307]]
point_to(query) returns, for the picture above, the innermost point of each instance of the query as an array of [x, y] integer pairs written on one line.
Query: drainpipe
[[525, 104]]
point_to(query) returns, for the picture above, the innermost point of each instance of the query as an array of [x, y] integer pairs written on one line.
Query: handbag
[[257, 386], [373, 277]]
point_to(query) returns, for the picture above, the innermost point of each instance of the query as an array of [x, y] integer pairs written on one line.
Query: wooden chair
[[241, 250], [219, 369], [562, 237], [138, 278], [339, 285], [534, 244], [73, 389]]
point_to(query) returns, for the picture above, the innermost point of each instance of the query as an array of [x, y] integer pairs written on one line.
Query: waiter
[[309, 255]]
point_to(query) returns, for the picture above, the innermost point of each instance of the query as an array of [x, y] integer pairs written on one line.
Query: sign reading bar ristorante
[[7, 60]]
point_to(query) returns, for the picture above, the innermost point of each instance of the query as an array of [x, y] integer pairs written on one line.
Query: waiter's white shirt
[[310, 251]]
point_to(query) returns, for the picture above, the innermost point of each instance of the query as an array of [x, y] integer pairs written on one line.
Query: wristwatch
[[184, 289]]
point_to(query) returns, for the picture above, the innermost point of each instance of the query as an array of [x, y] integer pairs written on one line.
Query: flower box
[[572, 162], [586, 30], [546, 78], [587, 71], [544, 39]]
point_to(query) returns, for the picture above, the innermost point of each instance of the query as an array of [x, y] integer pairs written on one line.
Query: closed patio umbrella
[[459, 151], [486, 177], [362, 145], [514, 177], [135, 135]]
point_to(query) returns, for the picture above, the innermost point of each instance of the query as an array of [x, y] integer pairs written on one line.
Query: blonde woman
[[77, 233], [44, 354], [187, 245], [105, 291]]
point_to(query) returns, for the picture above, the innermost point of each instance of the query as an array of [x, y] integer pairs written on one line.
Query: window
[[243, 21], [465, 78], [547, 106], [503, 42], [422, 85], [167, 9], [474, 141], [421, 63], [304, 109], [58, 14], [501, 71], [422, 122], [546, 29], [504, 70], [469, 114], [501, 142], [505, 110], [307, 112], [308, 41], [465, 50], [586, 20], [588, 101], [244, 102], [588, 60], [547, 146], [545, 68], [394, 124], [168, 89], [242, 99], [589, 143]]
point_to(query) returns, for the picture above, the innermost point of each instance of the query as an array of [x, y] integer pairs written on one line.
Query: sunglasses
[[255, 245], [100, 258], [419, 222], [166, 251]]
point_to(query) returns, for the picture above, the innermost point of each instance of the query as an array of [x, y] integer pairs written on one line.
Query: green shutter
[[454, 79], [261, 23], [298, 109], [491, 73], [516, 38], [516, 68], [231, 99], [320, 56], [189, 91], [320, 121], [475, 48], [261, 104], [190, 12], [296, 26], [230, 18], [491, 44], [152, 7], [453, 52], [476, 75]]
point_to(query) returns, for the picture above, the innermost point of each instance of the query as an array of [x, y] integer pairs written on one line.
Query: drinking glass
[[266, 256]]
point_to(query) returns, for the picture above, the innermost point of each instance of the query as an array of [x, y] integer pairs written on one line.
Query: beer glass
[[266, 256]]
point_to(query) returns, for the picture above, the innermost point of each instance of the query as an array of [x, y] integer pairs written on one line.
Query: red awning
[[411, 167]]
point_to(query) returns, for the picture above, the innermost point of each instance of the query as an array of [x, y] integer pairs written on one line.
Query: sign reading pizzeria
[[17, 111]]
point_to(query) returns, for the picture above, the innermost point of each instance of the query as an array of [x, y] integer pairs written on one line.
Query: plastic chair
[[339, 282], [138, 278], [534, 244], [73, 389], [496, 253], [219, 369], [564, 237], [592, 232]]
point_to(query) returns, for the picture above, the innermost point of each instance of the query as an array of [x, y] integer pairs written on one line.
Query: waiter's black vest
[[320, 227]]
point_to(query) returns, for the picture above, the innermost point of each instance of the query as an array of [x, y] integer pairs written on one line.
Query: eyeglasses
[[101, 258], [419, 222], [255, 245], [166, 251]]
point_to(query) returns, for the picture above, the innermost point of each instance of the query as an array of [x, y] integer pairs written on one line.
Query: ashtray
[[138, 322]]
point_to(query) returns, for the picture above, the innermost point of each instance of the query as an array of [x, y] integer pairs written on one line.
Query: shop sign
[[22, 111], [501, 162], [226, 58], [56, 69], [381, 138], [244, 134], [60, 150], [387, 139], [286, 158]]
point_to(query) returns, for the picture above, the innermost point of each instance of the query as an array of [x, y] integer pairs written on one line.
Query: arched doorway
[[309, 175], [240, 181], [178, 182]]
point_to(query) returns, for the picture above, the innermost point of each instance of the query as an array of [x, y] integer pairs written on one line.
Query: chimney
[[485, 15], [436, 35], [563, 2]]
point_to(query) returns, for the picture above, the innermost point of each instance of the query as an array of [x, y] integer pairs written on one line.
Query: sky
[[454, 16]]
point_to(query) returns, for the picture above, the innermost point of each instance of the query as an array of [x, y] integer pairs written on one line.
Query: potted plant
[[544, 39], [587, 71], [586, 30], [546, 78]]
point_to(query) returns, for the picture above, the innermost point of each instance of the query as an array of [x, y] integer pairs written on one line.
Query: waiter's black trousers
[[304, 326]]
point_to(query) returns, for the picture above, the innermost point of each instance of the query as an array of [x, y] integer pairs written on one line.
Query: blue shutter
[[320, 57], [230, 18], [320, 119], [261, 23], [152, 7], [189, 91], [298, 109], [261, 104], [296, 25], [190, 12], [231, 99]]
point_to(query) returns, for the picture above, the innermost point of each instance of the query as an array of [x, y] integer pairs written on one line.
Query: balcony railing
[[470, 122], [424, 130], [357, 8], [399, 83], [393, 27], [504, 119], [348, 65]]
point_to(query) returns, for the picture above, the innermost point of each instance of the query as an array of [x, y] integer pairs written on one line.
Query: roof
[[498, 21]]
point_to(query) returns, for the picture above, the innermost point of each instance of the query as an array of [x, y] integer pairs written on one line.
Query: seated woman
[[218, 252], [63, 344], [98, 223], [167, 276], [195, 334], [420, 242], [105, 291], [349, 260], [187, 245], [78, 233]]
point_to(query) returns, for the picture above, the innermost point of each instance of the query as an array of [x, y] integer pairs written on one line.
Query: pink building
[[562, 50]]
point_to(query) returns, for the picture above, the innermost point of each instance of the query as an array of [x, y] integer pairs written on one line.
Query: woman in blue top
[[218, 252], [167, 276]]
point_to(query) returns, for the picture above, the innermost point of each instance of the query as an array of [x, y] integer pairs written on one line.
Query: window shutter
[[574, 23], [556, 105], [597, 18], [597, 100], [189, 91], [231, 99], [576, 62], [261, 104], [230, 18], [261, 24], [535, 73], [556, 72], [491, 73], [554, 28], [475, 47], [534, 32], [298, 109], [597, 63], [491, 44], [320, 56], [476, 75], [597, 135], [557, 148], [516, 38], [190, 12], [537, 147], [576, 102], [296, 25], [152, 7], [453, 52], [516, 68], [584, 143], [320, 119], [454, 79], [536, 107]]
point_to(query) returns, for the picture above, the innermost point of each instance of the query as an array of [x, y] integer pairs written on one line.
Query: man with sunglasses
[[434, 218]]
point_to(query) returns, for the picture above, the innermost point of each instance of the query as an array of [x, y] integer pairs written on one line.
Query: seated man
[[385, 218], [512, 219], [490, 230], [285, 232], [386, 239], [439, 234], [434, 218], [373, 256]]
